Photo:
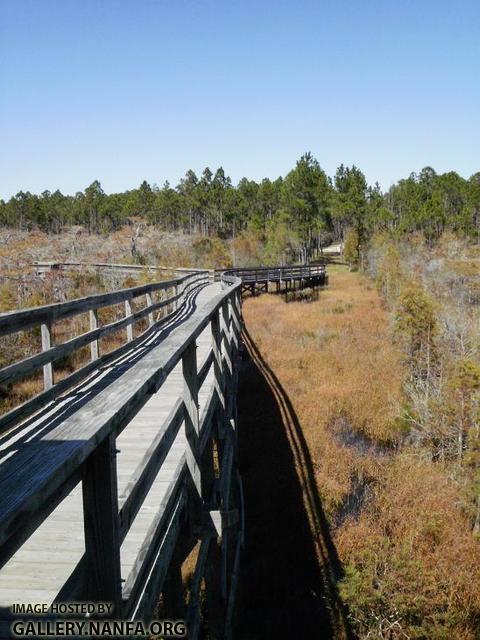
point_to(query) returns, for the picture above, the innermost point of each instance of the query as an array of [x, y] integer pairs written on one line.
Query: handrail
[[174, 295], [277, 275], [13, 321], [318, 268], [52, 265], [305, 270]]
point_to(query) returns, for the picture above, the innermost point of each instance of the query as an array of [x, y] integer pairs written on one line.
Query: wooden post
[[148, 297], [173, 591], [227, 351], [217, 357], [225, 484], [161, 298], [213, 595], [238, 301], [192, 422], [176, 291], [94, 346], [237, 313], [233, 328], [129, 312], [101, 523], [46, 331]]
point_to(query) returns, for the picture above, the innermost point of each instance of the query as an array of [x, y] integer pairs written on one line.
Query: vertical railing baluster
[[171, 294], [46, 333], [176, 292], [94, 345], [128, 313], [149, 301], [234, 325]]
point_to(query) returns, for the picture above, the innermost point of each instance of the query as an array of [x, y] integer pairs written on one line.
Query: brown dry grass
[[343, 342], [411, 557], [412, 565], [335, 359]]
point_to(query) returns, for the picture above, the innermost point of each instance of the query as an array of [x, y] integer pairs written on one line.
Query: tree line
[[304, 210]]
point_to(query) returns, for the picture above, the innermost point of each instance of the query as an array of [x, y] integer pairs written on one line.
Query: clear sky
[[126, 90]]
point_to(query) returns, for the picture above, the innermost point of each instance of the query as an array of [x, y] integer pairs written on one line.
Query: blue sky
[[123, 90]]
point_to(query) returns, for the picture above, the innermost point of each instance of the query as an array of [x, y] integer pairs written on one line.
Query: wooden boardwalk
[[112, 476]]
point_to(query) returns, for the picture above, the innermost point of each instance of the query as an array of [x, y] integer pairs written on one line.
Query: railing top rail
[[307, 267], [115, 265], [13, 321], [249, 274]]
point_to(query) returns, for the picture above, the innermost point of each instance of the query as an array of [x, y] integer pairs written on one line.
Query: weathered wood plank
[[33, 519], [145, 605], [142, 479], [205, 368]]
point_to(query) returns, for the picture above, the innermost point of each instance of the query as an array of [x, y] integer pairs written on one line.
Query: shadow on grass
[[290, 566]]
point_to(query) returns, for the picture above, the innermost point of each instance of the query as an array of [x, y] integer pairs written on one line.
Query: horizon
[[160, 184], [144, 93]]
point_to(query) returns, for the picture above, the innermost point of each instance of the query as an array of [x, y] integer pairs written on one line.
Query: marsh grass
[[411, 564]]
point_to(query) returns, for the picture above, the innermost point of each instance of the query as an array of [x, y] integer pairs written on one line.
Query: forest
[[293, 217]]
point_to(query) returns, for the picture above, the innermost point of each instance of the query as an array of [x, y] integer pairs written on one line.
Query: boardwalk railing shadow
[[290, 566], [71, 401]]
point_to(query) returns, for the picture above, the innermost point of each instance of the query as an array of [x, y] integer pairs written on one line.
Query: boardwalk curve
[[111, 476]]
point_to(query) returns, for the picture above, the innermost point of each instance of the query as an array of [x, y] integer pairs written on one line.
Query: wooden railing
[[247, 274], [204, 498], [138, 304], [48, 266], [275, 274]]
